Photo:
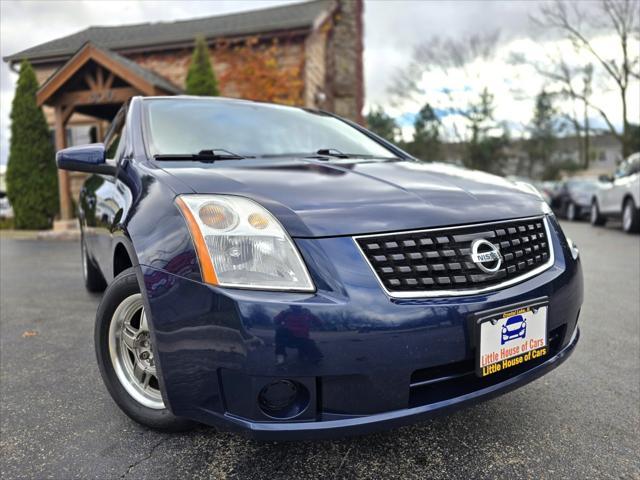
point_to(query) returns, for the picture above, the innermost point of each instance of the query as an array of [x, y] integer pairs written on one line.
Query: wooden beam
[[66, 113], [100, 78], [90, 81], [101, 130], [47, 92], [109, 81], [64, 186], [63, 75], [94, 97], [123, 72]]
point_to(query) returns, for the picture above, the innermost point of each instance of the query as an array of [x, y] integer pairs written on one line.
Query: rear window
[[187, 126]]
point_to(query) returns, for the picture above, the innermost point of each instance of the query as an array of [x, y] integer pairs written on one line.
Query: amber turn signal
[[206, 266]]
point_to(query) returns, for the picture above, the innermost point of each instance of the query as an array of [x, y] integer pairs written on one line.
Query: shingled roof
[[126, 37]]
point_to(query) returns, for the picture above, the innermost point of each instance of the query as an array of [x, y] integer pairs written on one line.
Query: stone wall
[[315, 67], [344, 61], [241, 69]]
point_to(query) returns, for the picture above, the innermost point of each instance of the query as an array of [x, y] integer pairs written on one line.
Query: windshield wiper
[[201, 156], [323, 153], [329, 152]]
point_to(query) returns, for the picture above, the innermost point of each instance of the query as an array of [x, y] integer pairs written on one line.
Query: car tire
[[595, 217], [93, 280], [140, 398], [630, 216], [571, 212]]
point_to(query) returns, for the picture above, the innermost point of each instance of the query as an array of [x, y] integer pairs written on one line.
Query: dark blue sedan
[[286, 273]]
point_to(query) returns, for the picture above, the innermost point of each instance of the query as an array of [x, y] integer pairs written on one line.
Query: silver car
[[619, 197]]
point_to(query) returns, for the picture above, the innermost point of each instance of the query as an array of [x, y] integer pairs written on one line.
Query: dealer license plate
[[511, 338]]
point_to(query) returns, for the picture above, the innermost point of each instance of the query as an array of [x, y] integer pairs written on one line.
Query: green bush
[[201, 79], [32, 181]]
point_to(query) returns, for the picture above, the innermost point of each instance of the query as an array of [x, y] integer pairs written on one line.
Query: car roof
[[227, 101]]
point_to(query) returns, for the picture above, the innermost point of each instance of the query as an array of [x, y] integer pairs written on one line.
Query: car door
[[108, 198], [634, 179], [622, 184], [611, 192], [630, 183]]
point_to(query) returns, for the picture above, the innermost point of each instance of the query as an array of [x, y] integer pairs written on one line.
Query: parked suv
[[620, 197]]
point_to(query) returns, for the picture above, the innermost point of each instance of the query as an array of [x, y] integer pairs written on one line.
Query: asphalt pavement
[[57, 420]]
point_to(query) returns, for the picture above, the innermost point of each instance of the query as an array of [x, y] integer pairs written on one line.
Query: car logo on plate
[[486, 255]]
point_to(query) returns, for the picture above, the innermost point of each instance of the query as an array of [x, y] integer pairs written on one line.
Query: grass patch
[[6, 223]]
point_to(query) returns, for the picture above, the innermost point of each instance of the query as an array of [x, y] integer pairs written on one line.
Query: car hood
[[316, 198]]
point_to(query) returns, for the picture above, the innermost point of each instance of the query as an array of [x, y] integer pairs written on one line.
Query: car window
[[187, 126], [113, 142], [628, 167], [122, 142], [582, 185]]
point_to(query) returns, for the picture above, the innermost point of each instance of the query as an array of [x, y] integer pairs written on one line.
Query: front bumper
[[397, 418], [368, 362]]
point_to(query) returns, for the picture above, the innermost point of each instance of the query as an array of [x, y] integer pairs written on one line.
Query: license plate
[[510, 338]]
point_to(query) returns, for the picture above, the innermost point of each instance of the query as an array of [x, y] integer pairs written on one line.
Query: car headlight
[[240, 244]]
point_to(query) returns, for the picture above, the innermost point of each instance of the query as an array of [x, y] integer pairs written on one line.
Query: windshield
[[188, 126]]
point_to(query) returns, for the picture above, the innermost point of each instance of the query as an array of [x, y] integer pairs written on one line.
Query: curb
[[66, 235]]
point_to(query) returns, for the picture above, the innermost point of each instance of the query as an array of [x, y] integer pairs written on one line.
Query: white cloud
[[514, 86]]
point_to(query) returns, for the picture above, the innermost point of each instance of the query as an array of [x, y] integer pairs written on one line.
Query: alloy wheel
[[131, 352]]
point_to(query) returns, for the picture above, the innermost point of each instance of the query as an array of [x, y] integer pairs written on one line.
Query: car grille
[[437, 262]]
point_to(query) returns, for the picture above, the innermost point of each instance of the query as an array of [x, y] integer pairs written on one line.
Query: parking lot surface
[[58, 421]]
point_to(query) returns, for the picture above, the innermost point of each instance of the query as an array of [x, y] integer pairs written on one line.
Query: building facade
[[307, 54]]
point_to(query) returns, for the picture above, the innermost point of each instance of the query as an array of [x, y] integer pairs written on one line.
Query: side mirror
[[85, 158], [606, 178]]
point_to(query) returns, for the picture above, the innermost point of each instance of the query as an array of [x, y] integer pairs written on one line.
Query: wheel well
[[121, 260], [628, 196]]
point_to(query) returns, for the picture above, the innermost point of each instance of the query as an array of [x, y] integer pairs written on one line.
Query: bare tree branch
[[619, 16], [441, 54]]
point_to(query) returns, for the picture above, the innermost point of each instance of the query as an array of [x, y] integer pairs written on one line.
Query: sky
[[392, 30]]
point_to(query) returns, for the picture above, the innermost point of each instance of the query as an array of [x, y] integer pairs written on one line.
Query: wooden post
[[64, 186]]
